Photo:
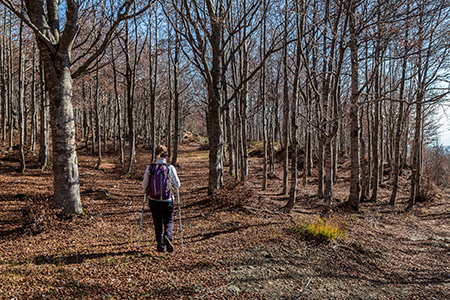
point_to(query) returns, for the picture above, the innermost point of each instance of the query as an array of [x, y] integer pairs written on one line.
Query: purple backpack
[[159, 183]]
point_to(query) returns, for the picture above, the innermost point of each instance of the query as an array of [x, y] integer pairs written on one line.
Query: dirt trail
[[236, 244]]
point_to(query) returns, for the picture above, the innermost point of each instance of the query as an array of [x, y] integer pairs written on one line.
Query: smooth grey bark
[[21, 102]]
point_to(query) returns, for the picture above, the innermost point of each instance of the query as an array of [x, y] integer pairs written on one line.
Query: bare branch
[[36, 30], [122, 16]]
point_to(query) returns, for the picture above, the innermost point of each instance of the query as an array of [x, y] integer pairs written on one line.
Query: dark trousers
[[162, 213]]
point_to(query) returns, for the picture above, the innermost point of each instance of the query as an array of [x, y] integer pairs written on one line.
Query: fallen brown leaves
[[236, 243]]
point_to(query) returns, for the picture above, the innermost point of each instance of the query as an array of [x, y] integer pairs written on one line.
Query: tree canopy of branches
[[322, 79]]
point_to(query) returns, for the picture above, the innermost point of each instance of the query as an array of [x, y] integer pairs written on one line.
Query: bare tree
[[55, 45]]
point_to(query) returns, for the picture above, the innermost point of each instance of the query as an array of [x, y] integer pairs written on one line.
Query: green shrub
[[321, 230]]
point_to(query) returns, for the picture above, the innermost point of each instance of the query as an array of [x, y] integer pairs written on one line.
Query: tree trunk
[[21, 102], [11, 119], [129, 79], [320, 169], [214, 111], [97, 119], [65, 166], [170, 90], [3, 79], [354, 197], [264, 102], [286, 106], [294, 115], [44, 139], [416, 155], [34, 108], [153, 73], [176, 98], [376, 139], [244, 95], [400, 121]]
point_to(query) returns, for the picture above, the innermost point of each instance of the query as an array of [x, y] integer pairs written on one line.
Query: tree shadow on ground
[[80, 258]]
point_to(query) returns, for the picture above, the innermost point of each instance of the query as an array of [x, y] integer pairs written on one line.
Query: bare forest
[[305, 134]]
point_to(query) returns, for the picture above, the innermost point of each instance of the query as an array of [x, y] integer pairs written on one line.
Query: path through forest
[[236, 244]]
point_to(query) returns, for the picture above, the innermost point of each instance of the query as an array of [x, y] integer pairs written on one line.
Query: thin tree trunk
[[34, 108], [129, 78], [21, 102], [286, 106], [11, 119], [264, 102], [170, 89], [376, 140], [355, 189], [364, 186], [97, 119], [153, 73], [400, 121], [176, 97], [244, 96], [44, 143], [416, 155], [320, 169], [294, 115], [3, 79]]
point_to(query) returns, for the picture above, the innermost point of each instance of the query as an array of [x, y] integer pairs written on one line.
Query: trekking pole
[[179, 216], [142, 217]]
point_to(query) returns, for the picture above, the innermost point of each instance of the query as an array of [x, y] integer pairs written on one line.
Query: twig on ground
[[263, 210], [345, 247], [304, 290], [210, 292]]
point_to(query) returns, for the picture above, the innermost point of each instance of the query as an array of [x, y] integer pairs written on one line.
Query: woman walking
[[159, 181]]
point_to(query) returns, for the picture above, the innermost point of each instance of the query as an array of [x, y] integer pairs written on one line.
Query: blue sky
[[445, 128]]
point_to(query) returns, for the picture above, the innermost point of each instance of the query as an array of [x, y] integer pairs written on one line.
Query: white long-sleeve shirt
[[172, 173]]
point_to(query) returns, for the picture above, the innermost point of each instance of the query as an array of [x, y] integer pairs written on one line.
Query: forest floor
[[236, 244]]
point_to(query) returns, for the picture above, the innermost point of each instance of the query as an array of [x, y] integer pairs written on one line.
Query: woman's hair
[[160, 150]]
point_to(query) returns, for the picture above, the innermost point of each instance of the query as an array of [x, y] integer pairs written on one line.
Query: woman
[[161, 206]]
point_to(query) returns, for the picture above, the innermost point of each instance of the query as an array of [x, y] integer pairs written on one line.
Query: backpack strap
[[169, 179]]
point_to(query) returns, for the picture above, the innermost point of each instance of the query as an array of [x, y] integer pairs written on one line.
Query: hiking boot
[[168, 244], [161, 249]]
